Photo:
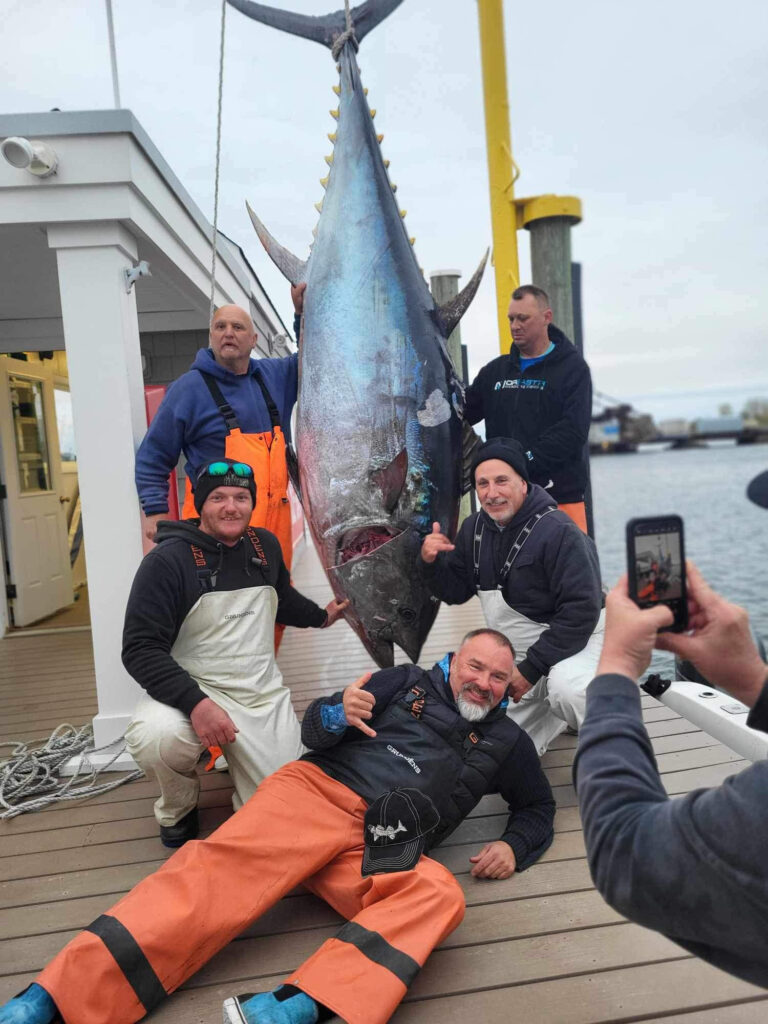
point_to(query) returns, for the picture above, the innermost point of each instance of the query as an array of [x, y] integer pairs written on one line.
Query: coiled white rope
[[30, 778]]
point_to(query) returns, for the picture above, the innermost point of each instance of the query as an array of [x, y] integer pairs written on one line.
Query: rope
[[348, 35], [218, 158], [30, 779]]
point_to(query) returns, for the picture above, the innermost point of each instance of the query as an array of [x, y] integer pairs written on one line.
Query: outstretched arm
[[691, 868]]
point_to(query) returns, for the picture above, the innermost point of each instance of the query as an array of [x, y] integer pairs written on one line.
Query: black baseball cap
[[757, 490], [396, 827]]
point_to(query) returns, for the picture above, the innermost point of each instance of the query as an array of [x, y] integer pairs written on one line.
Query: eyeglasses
[[223, 468]]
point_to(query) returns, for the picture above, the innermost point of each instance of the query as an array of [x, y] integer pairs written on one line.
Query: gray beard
[[471, 712]]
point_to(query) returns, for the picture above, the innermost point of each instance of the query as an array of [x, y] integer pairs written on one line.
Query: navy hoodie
[[546, 407]]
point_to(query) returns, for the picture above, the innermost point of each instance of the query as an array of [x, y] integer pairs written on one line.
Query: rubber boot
[[34, 1006], [269, 1008]]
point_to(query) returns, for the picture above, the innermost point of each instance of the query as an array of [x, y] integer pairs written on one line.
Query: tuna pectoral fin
[[470, 442], [325, 29], [450, 314], [391, 479], [289, 265]]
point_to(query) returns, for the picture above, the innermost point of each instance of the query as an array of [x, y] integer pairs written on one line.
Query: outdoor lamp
[[33, 156]]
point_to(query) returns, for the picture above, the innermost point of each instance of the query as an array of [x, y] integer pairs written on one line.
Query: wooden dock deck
[[541, 947]]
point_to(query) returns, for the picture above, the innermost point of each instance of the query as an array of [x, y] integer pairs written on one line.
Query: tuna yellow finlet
[[379, 139], [334, 114], [403, 213], [332, 137], [329, 159], [386, 163], [336, 89], [319, 206], [324, 181], [373, 111]]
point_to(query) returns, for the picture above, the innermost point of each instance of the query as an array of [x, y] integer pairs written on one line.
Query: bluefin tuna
[[379, 422]]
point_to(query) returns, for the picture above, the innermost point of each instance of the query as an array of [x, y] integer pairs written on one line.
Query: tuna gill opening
[[356, 543]]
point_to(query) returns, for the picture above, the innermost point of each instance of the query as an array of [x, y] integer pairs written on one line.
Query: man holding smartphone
[[694, 868]]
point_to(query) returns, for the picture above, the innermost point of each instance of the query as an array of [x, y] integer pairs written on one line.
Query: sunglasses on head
[[222, 468]]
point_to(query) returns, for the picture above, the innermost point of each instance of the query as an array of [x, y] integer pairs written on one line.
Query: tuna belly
[[389, 601]]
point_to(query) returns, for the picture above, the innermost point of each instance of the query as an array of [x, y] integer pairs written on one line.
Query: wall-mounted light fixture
[[29, 155]]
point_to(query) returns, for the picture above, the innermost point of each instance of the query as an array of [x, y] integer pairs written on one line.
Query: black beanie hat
[[507, 450], [214, 475]]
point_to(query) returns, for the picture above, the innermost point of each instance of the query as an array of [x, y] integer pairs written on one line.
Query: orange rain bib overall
[[266, 453]]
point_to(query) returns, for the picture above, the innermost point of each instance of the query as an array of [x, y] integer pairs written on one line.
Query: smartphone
[[656, 566]]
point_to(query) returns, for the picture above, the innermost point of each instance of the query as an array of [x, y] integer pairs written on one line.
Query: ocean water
[[725, 534]]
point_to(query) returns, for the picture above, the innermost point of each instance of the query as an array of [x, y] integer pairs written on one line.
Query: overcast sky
[[653, 113]]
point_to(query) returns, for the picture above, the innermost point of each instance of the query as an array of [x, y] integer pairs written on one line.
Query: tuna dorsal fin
[[290, 266], [325, 29], [470, 442], [391, 479], [450, 314]]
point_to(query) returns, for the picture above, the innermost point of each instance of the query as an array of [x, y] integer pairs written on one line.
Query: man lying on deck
[[397, 760], [694, 868]]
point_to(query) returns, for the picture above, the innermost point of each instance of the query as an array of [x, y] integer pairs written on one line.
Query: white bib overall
[[226, 643]]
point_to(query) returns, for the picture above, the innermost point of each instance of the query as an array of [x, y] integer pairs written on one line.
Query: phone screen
[[656, 566]]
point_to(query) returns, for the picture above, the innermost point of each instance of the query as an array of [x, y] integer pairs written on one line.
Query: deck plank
[[542, 942]]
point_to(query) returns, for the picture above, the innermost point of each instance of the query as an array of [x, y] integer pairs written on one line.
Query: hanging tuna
[[379, 431]]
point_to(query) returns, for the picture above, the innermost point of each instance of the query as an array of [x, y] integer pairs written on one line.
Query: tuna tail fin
[[290, 266], [450, 314], [326, 29]]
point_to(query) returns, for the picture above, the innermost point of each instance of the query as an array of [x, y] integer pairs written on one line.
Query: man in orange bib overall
[[228, 405]]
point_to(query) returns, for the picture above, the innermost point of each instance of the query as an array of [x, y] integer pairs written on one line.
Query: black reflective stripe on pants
[[377, 949], [130, 959]]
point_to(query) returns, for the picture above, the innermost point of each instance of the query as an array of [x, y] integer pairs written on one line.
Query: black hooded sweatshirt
[[169, 583], [555, 579], [547, 408]]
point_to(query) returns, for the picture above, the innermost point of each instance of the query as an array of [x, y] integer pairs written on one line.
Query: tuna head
[[389, 601]]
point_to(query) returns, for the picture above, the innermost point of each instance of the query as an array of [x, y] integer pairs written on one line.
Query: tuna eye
[[408, 615]]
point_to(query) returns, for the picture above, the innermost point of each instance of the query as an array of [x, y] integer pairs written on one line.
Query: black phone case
[[681, 615]]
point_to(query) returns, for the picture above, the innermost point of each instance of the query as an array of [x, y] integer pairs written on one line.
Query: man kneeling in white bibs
[[199, 638], [538, 580]]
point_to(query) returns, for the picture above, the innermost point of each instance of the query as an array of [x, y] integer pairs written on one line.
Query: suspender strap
[[274, 415], [254, 539], [224, 407], [205, 577], [131, 960], [514, 551]]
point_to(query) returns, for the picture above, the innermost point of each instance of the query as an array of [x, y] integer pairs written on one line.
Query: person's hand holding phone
[[630, 633], [720, 643]]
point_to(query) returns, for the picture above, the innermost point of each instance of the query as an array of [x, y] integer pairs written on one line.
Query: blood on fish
[[365, 542]]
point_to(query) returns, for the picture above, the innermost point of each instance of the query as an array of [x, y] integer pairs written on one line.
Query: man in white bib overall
[[538, 580], [199, 638]]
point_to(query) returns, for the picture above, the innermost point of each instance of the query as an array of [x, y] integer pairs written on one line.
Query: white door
[[34, 519]]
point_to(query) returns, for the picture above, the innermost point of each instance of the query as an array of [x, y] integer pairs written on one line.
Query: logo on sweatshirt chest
[[520, 384]]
